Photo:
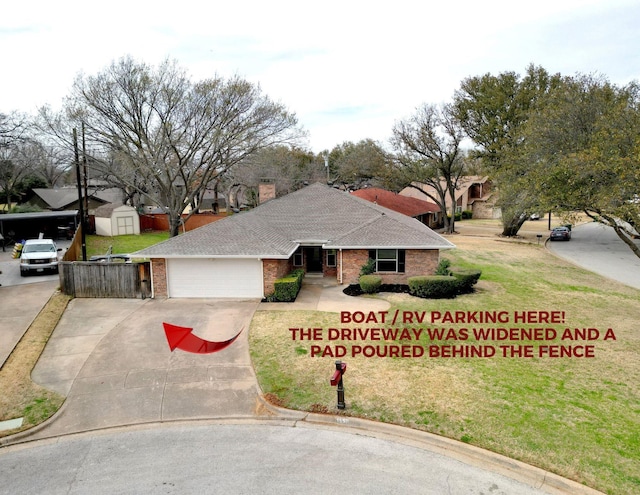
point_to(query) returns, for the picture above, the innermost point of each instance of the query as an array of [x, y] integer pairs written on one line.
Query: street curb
[[462, 452], [468, 454]]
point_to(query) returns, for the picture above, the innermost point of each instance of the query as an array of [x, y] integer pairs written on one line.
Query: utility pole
[[326, 165], [84, 178], [80, 199]]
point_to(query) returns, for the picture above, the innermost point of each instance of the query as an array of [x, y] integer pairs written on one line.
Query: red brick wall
[[417, 262], [352, 261], [329, 271], [273, 270], [159, 277]]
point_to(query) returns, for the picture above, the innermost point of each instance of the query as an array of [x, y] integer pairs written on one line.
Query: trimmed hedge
[[286, 288], [466, 279], [370, 283], [433, 286]]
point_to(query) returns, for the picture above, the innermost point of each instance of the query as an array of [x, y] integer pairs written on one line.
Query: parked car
[[39, 255], [560, 234]]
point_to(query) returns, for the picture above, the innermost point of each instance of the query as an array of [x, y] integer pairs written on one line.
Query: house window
[[331, 257], [388, 260], [297, 257]]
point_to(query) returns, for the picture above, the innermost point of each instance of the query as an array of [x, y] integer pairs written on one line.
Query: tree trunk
[[511, 227], [620, 232], [174, 224], [215, 207], [446, 224], [629, 242], [452, 224]]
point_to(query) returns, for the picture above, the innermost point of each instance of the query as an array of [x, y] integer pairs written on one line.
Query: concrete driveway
[[110, 357], [597, 248]]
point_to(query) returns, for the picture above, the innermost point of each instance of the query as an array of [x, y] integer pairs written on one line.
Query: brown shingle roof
[[316, 214]]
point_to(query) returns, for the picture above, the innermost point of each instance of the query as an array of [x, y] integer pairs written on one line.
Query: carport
[[15, 227]]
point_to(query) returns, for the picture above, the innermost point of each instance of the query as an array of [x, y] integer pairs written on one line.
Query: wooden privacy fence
[[96, 279]]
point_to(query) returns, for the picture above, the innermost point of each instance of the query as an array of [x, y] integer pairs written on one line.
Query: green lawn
[[123, 244], [578, 417]]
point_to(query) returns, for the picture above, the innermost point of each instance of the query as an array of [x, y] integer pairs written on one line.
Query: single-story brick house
[[318, 228]]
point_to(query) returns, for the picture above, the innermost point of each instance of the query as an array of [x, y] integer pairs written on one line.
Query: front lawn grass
[[578, 417], [123, 244]]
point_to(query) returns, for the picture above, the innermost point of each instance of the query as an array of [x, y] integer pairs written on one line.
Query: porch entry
[[313, 258]]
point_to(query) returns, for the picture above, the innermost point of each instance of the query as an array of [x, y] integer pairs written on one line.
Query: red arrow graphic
[[182, 338]]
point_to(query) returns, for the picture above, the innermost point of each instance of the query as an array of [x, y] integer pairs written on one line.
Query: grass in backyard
[[21, 398], [123, 244], [578, 417]]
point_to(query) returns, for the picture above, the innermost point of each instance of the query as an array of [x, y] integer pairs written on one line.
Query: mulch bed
[[355, 290]]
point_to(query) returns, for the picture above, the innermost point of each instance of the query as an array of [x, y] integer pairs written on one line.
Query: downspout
[[151, 276], [340, 281]]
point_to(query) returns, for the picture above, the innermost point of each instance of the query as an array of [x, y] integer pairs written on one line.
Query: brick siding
[[352, 261], [417, 262], [273, 270], [159, 277]]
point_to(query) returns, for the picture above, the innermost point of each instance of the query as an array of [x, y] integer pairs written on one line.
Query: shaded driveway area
[[597, 248]]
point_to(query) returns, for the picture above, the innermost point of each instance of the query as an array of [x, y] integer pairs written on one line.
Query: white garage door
[[241, 278]]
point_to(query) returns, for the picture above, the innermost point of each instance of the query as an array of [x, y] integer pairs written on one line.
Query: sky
[[348, 69]]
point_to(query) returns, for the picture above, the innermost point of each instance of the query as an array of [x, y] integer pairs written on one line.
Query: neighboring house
[[423, 211], [66, 198], [116, 219], [474, 193], [317, 228]]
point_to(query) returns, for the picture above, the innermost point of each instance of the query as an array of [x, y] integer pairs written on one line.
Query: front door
[[313, 256]]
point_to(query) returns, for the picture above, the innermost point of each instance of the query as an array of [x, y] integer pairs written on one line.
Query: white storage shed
[[116, 219]]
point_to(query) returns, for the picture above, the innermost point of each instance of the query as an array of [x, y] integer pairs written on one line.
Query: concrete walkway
[[324, 294]]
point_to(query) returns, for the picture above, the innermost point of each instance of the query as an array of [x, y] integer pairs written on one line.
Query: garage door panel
[[239, 278]]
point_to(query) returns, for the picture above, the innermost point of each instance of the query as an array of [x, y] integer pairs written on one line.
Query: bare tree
[[428, 152], [12, 128], [287, 167], [166, 138], [49, 163]]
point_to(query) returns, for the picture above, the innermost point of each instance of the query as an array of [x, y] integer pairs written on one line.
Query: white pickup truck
[[39, 255]]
